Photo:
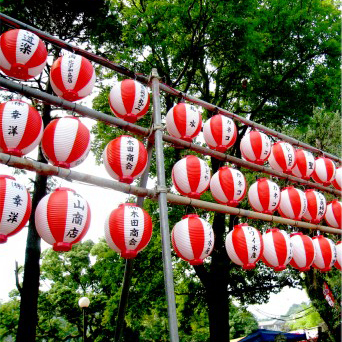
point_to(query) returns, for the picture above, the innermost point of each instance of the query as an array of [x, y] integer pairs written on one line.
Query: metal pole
[[162, 200], [129, 262], [84, 325], [164, 87], [111, 120]]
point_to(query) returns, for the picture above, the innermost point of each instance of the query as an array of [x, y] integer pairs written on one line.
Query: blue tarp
[[262, 335]]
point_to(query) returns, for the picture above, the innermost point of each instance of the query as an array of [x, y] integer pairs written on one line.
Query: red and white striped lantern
[[191, 176], [337, 182], [282, 157], [316, 206], [21, 128], [264, 196], [325, 253], [293, 203], [305, 164], [219, 133], [228, 186], [325, 171], [244, 246], [62, 218], [15, 207], [125, 158], [23, 54], [255, 147], [277, 249], [183, 121], [72, 77], [338, 262], [303, 251], [192, 239], [129, 100], [66, 142], [128, 230], [333, 214]]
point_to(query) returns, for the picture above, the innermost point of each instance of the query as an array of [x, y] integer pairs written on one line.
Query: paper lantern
[[219, 133], [192, 239], [282, 157], [303, 251], [183, 121], [337, 182], [21, 128], [129, 100], [128, 230], [62, 218], [277, 249], [305, 164], [15, 207], [325, 170], [325, 253], [22, 54], [228, 186], [125, 158], [338, 262], [66, 142], [333, 214], [191, 176], [72, 77], [264, 196], [293, 203], [316, 206], [244, 246], [255, 147]]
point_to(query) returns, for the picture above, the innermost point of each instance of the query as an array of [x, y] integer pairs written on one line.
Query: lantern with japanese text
[[72, 77], [293, 203], [303, 251], [325, 171], [244, 246], [66, 142], [191, 176], [62, 218], [183, 121], [228, 186], [316, 206], [338, 262], [255, 147], [325, 253], [125, 158], [337, 182], [219, 133], [333, 214], [23, 54], [282, 157], [305, 164], [21, 128], [128, 230], [192, 239], [129, 100], [15, 207], [264, 196], [277, 249]]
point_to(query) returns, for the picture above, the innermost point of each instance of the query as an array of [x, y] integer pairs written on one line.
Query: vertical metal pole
[[84, 325], [164, 221], [129, 262]]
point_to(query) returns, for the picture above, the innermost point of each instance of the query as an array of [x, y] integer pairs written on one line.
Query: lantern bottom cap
[[186, 138], [194, 195], [130, 117], [304, 269], [259, 161], [248, 266], [221, 148], [126, 179], [232, 203], [65, 165], [196, 262], [13, 151], [19, 71], [129, 254], [3, 238], [62, 246], [70, 95], [279, 268]]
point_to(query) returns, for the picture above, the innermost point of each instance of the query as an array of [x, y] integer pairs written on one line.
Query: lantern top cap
[[83, 302], [65, 189], [297, 233], [241, 225], [7, 177], [318, 237], [127, 205], [338, 242], [190, 216], [272, 230]]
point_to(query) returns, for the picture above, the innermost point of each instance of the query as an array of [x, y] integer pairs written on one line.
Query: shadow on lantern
[[83, 303]]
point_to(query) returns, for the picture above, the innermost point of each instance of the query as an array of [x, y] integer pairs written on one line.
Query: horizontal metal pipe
[[114, 121], [166, 88], [49, 170]]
